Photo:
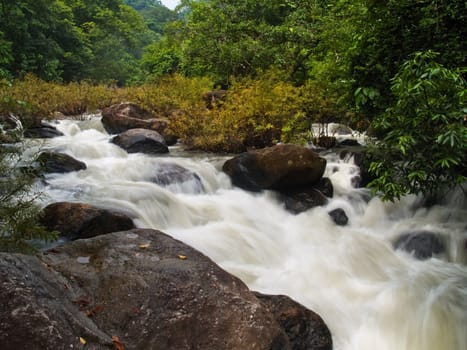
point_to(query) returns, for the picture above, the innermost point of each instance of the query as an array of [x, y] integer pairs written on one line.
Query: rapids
[[370, 296]]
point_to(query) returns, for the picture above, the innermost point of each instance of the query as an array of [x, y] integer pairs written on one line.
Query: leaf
[[182, 257], [117, 343], [82, 340]]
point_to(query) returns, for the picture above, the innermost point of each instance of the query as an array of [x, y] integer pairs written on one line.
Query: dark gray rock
[[55, 162], [141, 141], [421, 244], [339, 216], [301, 200], [44, 131], [168, 174]]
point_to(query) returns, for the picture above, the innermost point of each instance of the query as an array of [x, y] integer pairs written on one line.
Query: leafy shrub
[[425, 144], [252, 115]]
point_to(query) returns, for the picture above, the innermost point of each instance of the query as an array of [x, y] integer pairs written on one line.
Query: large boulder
[[80, 220], [56, 162], [141, 288], [278, 167], [124, 116], [141, 141]]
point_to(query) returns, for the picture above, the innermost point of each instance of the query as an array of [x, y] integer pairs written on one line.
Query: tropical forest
[[233, 174]]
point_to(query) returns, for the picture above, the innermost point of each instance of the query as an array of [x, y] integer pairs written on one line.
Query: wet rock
[[339, 216], [44, 131], [325, 141], [124, 116], [55, 162], [79, 220], [141, 141], [349, 142], [297, 201], [305, 329], [168, 174], [37, 309], [278, 167], [150, 290], [421, 244]]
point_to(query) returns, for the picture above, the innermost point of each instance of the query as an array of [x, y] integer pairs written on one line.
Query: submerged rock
[[421, 244], [278, 167], [141, 141], [80, 220], [147, 290], [168, 174]]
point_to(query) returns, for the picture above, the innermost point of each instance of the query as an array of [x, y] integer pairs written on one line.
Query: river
[[370, 296]]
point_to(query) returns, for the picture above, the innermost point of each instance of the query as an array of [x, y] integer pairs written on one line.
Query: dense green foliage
[[391, 31], [70, 40], [154, 13], [425, 144], [286, 64]]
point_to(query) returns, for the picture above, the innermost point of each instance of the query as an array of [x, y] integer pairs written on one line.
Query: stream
[[370, 295]]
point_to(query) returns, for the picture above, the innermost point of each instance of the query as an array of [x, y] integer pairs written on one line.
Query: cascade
[[370, 295]]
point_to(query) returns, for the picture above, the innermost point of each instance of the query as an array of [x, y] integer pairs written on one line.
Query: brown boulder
[[79, 220], [124, 116], [141, 140], [149, 290], [278, 167]]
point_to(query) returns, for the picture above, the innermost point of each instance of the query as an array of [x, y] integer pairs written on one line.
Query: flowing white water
[[370, 296]]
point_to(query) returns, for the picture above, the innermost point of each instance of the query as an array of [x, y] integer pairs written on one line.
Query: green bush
[[424, 148]]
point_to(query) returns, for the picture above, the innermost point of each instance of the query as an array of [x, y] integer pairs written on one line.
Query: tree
[[154, 13], [224, 39], [391, 31], [424, 149]]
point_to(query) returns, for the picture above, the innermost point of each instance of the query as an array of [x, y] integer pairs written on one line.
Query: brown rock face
[[278, 167], [79, 220], [149, 290], [125, 116]]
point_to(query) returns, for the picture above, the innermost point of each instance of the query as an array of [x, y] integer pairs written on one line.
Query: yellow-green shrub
[[252, 115]]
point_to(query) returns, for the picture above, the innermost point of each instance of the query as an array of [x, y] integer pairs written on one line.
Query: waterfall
[[370, 295]]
